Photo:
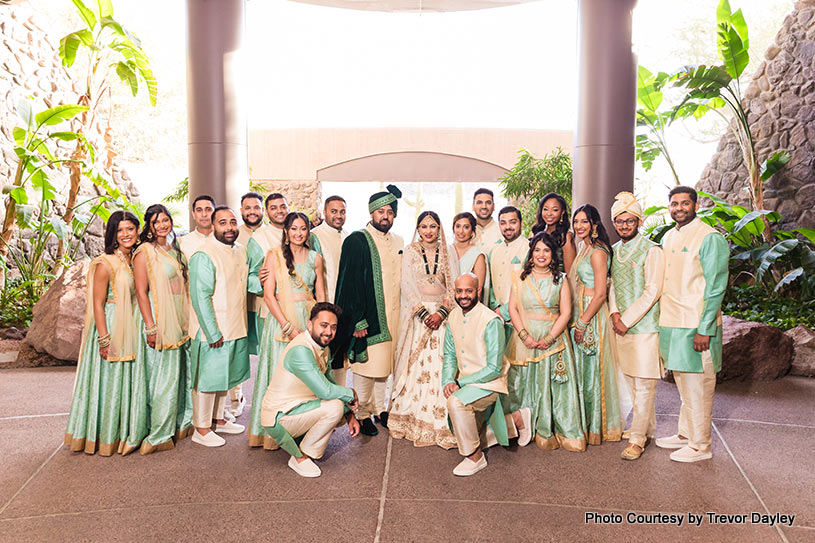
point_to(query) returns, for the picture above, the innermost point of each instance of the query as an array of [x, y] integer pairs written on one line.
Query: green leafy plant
[[109, 48], [712, 88], [531, 178], [752, 303], [17, 299]]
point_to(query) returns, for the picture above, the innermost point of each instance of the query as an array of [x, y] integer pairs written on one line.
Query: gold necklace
[[121, 256]]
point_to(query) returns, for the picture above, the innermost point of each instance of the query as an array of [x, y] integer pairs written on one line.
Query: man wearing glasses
[[637, 274]]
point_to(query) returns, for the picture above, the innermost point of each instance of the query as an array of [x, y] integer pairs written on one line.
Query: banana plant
[[111, 49], [717, 88]]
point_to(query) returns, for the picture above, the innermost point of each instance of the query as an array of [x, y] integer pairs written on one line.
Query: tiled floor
[[378, 489]]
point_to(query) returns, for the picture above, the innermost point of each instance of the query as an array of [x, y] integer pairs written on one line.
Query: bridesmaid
[[109, 407], [162, 294], [596, 369], [294, 284], [471, 258], [542, 381], [553, 218]]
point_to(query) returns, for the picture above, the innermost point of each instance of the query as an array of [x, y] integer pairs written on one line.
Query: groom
[[368, 292]]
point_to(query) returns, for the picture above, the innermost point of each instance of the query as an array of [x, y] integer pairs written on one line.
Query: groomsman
[[637, 273], [277, 207], [690, 322], [506, 259], [202, 208], [368, 292], [219, 355], [474, 373], [327, 239], [487, 232]]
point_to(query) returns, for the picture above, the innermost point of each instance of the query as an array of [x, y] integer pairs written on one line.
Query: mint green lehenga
[[545, 382], [109, 407], [296, 300]]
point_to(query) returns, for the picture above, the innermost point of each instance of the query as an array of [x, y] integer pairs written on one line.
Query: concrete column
[[216, 118], [604, 139]]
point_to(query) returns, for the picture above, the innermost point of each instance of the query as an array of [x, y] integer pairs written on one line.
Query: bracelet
[[103, 341], [549, 339], [580, 325], [286, 328], [423, 313], [444, 312], [523, 334], [152, 330]]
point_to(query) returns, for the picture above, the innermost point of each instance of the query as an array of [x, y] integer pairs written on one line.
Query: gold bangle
[[152, 330], [523, 334], [103, 341]]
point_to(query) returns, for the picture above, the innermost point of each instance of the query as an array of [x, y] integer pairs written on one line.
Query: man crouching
[[474, 372], [303, 399]]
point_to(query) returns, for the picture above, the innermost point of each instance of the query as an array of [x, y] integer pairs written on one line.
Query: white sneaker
[[525, 433], [210, 439], [467, 467], [229, 427], [229, 416], [306, 468], [671, 442], [687, 454], [237, 410]]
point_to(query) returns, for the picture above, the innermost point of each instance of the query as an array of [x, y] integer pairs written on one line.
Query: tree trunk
[[9, 222]]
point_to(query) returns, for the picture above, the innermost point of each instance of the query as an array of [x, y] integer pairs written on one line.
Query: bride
[[418, 409]]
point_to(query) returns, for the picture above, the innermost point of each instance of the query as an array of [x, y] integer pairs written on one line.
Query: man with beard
[[487, 233], [637, 273], [506, 259], [219, 354], [257, 239], [368, 292], [327, 240], [473, 375], [303, 399], [690, 322], [277, 207]]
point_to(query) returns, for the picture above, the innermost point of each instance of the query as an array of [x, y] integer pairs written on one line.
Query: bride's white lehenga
[[418, 408]]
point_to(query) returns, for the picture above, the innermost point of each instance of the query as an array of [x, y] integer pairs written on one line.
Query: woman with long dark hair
[[418, 409], [294, 284], [553, 218], [471, 258], [596, 369], [162, 292], [542, 380], [109, 408]]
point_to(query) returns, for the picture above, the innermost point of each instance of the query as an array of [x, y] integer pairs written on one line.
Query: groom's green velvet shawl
[[360, 295]]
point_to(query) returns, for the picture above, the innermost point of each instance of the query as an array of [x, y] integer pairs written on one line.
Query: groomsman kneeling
[[474, 373], [303, 399]]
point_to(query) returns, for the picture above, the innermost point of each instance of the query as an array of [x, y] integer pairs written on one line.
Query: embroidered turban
[[381, 199], [625, 201]]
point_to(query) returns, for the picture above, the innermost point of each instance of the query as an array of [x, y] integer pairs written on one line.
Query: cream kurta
[[331, 248], [638, 354], [189, 244], [506, 261], [487, 236], [380, 356], [267, 237]]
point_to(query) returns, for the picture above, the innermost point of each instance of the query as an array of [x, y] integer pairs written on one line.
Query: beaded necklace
[[432, 277]]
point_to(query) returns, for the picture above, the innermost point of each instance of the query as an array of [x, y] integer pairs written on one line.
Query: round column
[[604, 139], [216, 117]]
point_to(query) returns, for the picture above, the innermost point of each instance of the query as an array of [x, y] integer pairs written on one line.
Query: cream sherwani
[[189, 244], [506, 260], [370, 377], [487, 236], [330, 247], [637, 273]]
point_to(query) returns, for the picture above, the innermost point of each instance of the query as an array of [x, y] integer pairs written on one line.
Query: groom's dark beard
[[383, 229]]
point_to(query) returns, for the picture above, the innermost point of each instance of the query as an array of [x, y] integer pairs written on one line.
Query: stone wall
[[780, 104], [30, 67], [303, 194]]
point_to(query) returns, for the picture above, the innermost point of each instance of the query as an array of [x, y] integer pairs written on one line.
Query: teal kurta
[[254, 322], [676, 344], [271, 348], [300, 362], [470, 391], [596, 370], [546, 383], [214, 369], [109, 410]]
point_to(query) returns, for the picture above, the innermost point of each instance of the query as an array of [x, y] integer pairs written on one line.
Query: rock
[[28, 357], [12, 333], [803, 358], [753, 351], [58, 317]]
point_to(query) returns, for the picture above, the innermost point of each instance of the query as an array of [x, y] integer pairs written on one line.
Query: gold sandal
[[631, 452]]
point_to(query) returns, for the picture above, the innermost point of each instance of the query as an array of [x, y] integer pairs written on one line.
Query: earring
[[594, 232]]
